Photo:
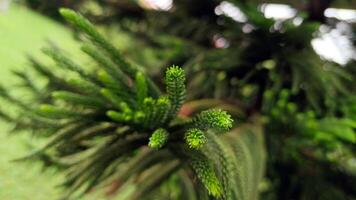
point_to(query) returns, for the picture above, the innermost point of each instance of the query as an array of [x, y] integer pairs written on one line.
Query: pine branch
[[84, 25], [99, 120]]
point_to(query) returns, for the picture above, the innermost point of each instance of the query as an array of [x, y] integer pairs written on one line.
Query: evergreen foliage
[[158, 138], [213, 119], [176, 91], [207, 175], [110, 123], [195, 138], [267, 67], [117, 123]]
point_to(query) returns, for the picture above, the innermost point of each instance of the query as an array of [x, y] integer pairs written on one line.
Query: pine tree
[[173, 138], [112, 123], [266, 67]]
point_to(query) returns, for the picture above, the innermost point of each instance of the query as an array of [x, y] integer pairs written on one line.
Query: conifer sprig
[[206, 174], [213, 119], [86, 27], [175, 86], [195, 138], [158, 138]]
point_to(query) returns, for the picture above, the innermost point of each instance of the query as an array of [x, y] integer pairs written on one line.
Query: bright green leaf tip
[[118, 117], [175, 73], [223, 119], [176, 88], [113, 114], [195, 138], [148, 101], [67, 13], [163, 100], [158, 138], [215, 118], [208, 177], [46, 107]]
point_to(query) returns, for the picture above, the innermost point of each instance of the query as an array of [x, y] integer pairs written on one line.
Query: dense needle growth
[[111, 124], [127, 124]]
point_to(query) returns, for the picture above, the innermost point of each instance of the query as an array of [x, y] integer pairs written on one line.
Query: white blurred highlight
[[334, 45], [230, 10], [4, 5], [341, 14], [157, 4], [278, 11]]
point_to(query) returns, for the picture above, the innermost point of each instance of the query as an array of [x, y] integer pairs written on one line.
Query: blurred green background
[[22, 30]]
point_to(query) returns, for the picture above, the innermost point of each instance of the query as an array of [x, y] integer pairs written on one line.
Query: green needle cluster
[[98, 120]]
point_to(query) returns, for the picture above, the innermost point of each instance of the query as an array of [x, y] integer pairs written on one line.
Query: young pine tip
[[195, 138], [158, 138]]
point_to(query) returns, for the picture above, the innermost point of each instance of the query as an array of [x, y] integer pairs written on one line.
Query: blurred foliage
[[22, 181]]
